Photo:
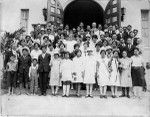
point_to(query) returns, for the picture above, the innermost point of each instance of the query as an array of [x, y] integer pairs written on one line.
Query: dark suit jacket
[[24, 63], [130, 51], [44, 63]]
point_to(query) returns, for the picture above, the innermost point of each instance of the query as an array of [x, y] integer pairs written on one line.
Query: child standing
[[125, 75], [89, 72], [78, 71], [66, 74], [33, 76], [103, 74], [11, 67], [114, 77], [54, 74]]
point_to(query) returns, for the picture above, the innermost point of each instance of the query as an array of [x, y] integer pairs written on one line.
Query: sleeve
[[29, 72]]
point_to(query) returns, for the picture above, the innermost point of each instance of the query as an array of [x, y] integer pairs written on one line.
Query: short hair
[[43, 46], [25, 49], [94, 36], [34, 59], [103, 51], [76, 45]]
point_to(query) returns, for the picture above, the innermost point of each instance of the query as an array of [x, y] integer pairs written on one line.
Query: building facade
[[23, 13]]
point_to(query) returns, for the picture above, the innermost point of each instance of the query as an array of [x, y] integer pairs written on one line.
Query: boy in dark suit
[[44, 69], [24, 63], [129, 48]]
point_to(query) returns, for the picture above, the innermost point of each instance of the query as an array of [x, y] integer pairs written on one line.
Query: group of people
[[94, 56]]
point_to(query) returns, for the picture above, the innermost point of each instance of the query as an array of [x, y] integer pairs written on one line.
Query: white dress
[[103, 73], [54, 74], [114, 76], [125, 75], [35, 54], [66, 70], [89, 69], [78, 69]]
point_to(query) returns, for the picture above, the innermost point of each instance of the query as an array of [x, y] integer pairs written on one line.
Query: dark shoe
[[105, 96], [63, 95], [101, 96], [113, 96], [44, 94], [67, 96], [128, 96], [91, 96], [123, 95], [86, 96]]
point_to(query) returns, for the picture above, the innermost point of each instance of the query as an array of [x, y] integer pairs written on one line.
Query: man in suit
[[44, 69], [129, 47], [24, 63]]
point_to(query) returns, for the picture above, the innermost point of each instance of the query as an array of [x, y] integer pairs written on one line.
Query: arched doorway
[[86, 11]]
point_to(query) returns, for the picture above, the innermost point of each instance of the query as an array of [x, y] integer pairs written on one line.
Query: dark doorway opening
[[86, 11]]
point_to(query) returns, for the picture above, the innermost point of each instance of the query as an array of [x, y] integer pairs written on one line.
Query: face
[[136, 52], [124, 54], [94, 40], [62, 36], [36, 46], [50, 47], [105, 43], [34, 62], [67, 55], [12, 58], [100, 27], [79, 53], [115, 54], [94, 25], [102, 54], [114, 37], [44, 49], [56, 56], [14, 47], [85, 45], [97, 48], [25, 52], [90, 53], [129, 40]]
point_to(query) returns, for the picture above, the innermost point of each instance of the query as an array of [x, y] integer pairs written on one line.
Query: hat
[[109, 48], [88, 35], [25, 48], [116, 50], [103, 50], [56, 53], [89, 50]]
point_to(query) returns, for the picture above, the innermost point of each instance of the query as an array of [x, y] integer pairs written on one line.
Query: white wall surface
[[11, 11]]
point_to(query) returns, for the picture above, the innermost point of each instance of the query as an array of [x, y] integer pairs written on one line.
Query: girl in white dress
[[114, 77], [66, 74], [125, 74], [103, 74], [78, 71], [90, 72], [54, 74]]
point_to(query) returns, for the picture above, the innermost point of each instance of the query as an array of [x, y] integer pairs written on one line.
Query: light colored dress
[[89, 69], [66, 70], [103, 72], [54, 74], [78, 69], [125, 75], [114, 76]]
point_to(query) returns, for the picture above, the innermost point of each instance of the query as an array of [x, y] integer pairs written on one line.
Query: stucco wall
[[11, 13]]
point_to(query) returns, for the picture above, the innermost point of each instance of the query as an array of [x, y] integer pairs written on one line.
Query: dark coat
[[130, 52], [44, 63], [24, 64]]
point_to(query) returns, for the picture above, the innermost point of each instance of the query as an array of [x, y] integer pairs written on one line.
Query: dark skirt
[[138, 78], [11, 81]]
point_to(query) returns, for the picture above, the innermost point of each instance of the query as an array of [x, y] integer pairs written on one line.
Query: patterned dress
[[54, 74], [114, 76], [125, 75]]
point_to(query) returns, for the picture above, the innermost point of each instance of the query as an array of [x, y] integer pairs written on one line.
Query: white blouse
[[137, 61]]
